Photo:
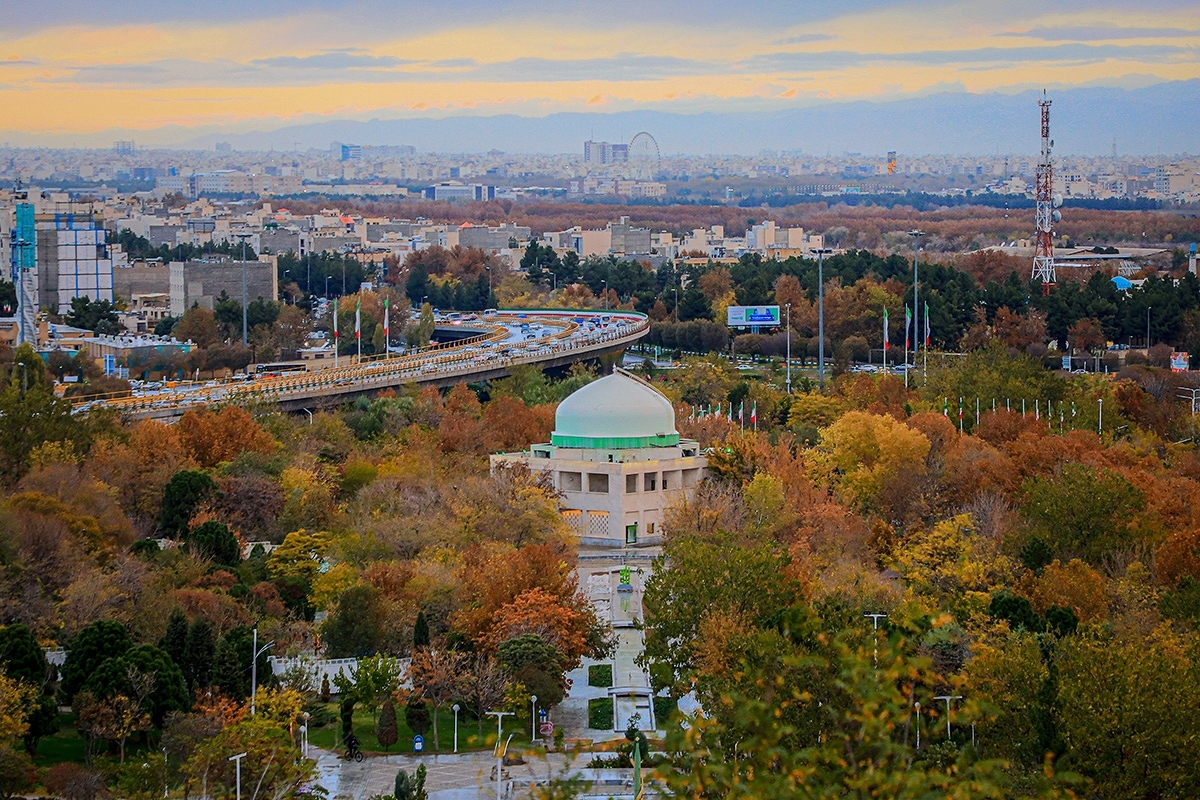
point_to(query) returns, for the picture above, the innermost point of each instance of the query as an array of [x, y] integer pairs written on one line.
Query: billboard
[[1179, 362], [746, 316]]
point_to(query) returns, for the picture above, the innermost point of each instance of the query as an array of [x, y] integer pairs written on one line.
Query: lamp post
[[254, 666], [875, 619], [605, 282], [821, 251], [244, 237], [949, 698], [918, 705], [676, 288], [327, 287], [532, 718], [456, 707], [1148, 331], [789, 348], [500, 715], [237, 761], [917, 234], [304, 734]]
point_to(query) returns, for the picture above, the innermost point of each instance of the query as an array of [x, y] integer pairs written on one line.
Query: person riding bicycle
[[351, 745]]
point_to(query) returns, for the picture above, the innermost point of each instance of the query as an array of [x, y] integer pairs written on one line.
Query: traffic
[[504, 338]]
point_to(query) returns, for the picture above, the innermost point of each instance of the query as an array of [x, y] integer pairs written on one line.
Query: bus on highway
[[276, 367]]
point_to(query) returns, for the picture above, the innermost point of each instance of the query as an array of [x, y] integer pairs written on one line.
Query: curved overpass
[[551, 338]]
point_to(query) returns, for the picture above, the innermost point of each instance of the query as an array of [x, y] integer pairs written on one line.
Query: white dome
[[617, 411]]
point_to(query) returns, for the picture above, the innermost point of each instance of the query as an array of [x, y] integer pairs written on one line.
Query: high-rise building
[[73, 260], [604, 153]]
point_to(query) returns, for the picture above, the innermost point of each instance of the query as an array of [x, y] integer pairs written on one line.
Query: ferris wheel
[[644, 156]]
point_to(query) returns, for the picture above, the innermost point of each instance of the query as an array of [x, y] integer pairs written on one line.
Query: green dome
[[616, 412]]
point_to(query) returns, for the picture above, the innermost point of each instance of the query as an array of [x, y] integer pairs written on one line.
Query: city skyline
[[176, 71]]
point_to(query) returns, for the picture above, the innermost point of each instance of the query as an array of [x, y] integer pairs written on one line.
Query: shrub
[[600, 675], [600, 713], [663, 708]]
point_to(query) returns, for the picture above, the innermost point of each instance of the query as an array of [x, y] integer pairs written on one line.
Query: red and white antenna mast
[[1045, 215]]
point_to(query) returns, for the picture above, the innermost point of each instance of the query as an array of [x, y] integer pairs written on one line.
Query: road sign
[[743, 316], [546, 728], [418, 743]]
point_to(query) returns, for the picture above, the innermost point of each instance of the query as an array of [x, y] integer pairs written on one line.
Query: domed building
[[617, 460]]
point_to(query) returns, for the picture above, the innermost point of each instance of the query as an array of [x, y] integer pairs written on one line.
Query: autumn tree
[[386, 730], [439, 676], [486, 681], [213, 437]]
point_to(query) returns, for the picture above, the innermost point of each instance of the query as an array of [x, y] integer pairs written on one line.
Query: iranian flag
[[885, 331], [335, 335], [907, 325], [358, 320], [386, 337]]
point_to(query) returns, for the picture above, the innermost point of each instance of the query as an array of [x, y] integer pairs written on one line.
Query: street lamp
[[237, 761], [917, 234], [327, 286], [456, 708], [821, 251], [949, 698], [254, 666], [875, 619], [676, 288], [918, 705], [532, 718], [1148, 331], [789, 348], [244, 237], [605, 282]]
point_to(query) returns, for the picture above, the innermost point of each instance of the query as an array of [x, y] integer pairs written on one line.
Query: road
[[547, 339]]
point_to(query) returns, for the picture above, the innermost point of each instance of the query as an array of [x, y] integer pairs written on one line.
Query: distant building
[[453, 190], [202, 282], [617, 461], [352, 152], [492, 239], [604, 153], [123, 147], [73, 260]]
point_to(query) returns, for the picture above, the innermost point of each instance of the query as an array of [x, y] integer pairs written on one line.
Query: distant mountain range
[[1163, 118]]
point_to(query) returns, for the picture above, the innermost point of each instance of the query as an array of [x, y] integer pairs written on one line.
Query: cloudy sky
[[85, 66]]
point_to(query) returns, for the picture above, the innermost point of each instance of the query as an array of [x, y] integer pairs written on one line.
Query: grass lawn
[[329, 736], [66, 745]]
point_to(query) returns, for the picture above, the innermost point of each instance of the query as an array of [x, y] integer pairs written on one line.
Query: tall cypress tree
[[421, 631], [174, 641], [199, 655]]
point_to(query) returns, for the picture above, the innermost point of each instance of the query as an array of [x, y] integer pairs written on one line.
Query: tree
[[182, 496], [198, 325], [705, 579], [214, 541], [416, 715], [93, 315], [372, 680], [174, 641], [16, 697], [1087, 335], [386, 731], [420, 631], [355, 626], [146, 674], [273, 763], [17, 773], [199, 654], [33, 416], [21, 658], [212, 438], [92, 646], [1083, 511], [535, 664], [486, 681], [437, 674]]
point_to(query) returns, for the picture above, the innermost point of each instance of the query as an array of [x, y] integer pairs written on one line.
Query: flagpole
[[358, 329], [335, 335], [387, 339]]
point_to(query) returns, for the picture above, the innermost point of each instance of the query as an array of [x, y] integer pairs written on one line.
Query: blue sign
[[418, 743]]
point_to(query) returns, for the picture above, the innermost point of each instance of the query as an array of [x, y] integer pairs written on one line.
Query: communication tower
[[1045, 214]]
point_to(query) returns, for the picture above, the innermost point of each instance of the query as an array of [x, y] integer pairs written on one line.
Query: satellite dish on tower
[[1057, 200]]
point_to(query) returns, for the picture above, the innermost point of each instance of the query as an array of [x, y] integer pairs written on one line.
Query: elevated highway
[[546, 339]]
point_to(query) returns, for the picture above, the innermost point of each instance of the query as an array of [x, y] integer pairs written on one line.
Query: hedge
[[600, 713], [600, 675], [663, 707]]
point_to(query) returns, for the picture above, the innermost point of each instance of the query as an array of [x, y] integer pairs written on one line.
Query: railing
[[436, 361]]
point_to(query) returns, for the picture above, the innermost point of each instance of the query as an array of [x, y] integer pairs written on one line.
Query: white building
[[617, 460]]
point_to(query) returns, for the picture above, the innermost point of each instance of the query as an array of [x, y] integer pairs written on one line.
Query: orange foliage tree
[[212, 438]]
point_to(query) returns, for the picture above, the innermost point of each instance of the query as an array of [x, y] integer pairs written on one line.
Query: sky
[[85, 67]]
